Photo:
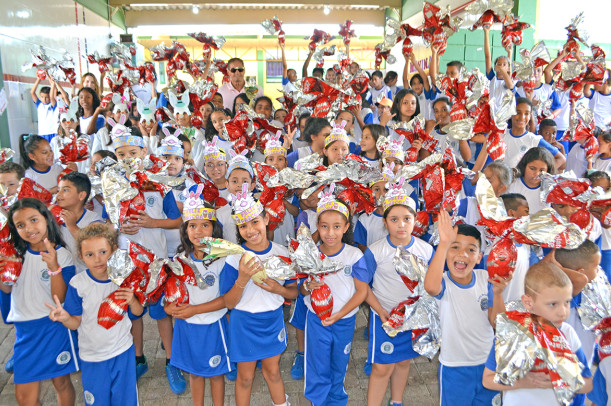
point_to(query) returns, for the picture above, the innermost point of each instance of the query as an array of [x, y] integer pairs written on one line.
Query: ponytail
[[28, 143]]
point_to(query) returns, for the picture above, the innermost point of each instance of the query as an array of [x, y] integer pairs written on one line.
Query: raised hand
[[50, 256], [58, 313]]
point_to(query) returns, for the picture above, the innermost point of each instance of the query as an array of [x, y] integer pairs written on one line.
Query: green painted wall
[[100, 7]]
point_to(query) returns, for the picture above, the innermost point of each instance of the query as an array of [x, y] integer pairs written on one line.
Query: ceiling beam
[[382, 3]]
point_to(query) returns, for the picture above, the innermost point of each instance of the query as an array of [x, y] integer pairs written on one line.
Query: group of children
[[235, 323]]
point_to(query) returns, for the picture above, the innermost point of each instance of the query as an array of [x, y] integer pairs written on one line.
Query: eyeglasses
[[234, 70], [217, 165]]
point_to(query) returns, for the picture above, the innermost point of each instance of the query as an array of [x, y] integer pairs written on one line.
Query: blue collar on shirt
[[31, 251], [47, 171], [79, 219], [528, 187], [518, 136], [337, 253], [375, 213], [265, 251], [195, 259], [469, 285], [96, 279], [405, 246]]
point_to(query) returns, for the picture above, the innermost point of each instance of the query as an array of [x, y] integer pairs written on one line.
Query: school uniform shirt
[[542, 93], [466, 333], [157, 207], [298, 142], [602, 383], [563, 118], [102, 141], [46, 179], [523, 397], [341, 282], [369, 228], [426, 100], [517, 145], [373, 162], [172, 236], [298, 154], [84, 296], [532, 195], [308, 217], [33, 287], [381, 273], [498, 89], [599, 164], [227, 223], [211, 276], [254, 299], [600, 104], [576, 161], [84, 123], [47, 120], [373, 94], [287, 85], [444, 141], [88, 217], [287, 227], [515, 287], [393, 90]]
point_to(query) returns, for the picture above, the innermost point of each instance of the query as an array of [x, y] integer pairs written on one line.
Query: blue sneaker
[[367, 368], [297, 369], [232, 375], [141, 369], [177, 381], [8, 367]]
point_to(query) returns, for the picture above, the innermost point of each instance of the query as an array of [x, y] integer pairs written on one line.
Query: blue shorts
[[132, 317], [462, 386], [191, 356], [384, 349], [256, 336], [156, 311], [327, 352], [298, 318], [43, 350], [111, 382]]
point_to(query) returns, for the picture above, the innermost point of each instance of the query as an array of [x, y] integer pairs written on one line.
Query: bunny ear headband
[[329, 202]]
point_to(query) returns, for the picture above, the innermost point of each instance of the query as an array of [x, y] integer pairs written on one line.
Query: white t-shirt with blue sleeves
[[373, 94], [369, 228], [254, 299], [517, 145], [466, 333], [48, 122], [33, 287], [211, 275], [532, 194], [498, 89], [46, 179], [386, 284], [341, 282], [84, 296], [227, 223]]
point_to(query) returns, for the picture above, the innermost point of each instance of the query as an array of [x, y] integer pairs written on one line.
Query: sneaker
[[8, 367], [367, 368], [232, 375], [395, 403], [177, 381], [141, 369], [297, 369]]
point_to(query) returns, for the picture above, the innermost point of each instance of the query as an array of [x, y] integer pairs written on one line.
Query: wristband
[[59, 270]]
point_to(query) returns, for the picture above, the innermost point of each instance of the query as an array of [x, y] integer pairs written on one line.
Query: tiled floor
[[154, 390]]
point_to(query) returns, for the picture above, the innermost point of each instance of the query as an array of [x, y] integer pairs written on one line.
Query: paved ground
[[154, 390]]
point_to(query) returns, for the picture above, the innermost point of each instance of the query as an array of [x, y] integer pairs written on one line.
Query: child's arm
[[304, 70], [359, 297], [53, 93], [134, 305], [101, 87], [532, 380], [285, 66], [487, 52], [58, 285], [447, 235], [246, 269], [63, 94], [33, 90], [498, 304], [185, 311], [506, 76], [406, 73], [291, 208], [92, 127], [58, 313], [465, 150], [145, 221], [425, 78], [374, 303], [434, 68], [559, 161], [548, 72]]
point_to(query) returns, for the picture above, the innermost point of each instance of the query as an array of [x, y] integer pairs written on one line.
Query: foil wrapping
[[321, 300], [292, 179], [116, 189], [461, 129], [595, 301], [411, 269], [304, 253], [218, 248], [352, 170], [6, 154], [548, 229], [120, 265]]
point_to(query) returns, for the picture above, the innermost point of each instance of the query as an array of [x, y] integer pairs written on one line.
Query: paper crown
[[398, 195], [171, 145], [337, 134], [245, 207], [387, 174], [274, 146], [121, 102], [180, 103], [394, 149], [239, 161], [122, 135], [69, 113], [212, 152], [147, 111], [329, 202], [194, 208]]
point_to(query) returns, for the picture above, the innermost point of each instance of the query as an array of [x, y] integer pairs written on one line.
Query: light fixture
[[195, 9], [326, 9]]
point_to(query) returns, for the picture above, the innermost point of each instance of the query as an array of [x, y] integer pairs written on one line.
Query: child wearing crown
[[256, 326], [337, 145], [215, 165]]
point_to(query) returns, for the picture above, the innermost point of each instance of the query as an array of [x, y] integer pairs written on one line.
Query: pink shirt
[[229, 94]]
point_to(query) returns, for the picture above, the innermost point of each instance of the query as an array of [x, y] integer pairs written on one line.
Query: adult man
[[229, 91]]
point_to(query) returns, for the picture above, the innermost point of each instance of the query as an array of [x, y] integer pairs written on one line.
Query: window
[[274, 71]]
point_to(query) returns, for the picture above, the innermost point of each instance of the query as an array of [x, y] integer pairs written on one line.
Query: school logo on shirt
[[210, 279], [483, 302], [63, 358], [282, 335], [347, 348], [89, 399], [150, 201], [215, 361], [387, 347], [44, 275], [523, 148], [348, 270]]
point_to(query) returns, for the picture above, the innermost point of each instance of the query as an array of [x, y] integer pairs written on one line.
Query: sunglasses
[[234, 70]]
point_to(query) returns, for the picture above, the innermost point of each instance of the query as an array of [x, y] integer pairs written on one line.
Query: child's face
[[198, 229], [183, 120], [408, 106], [43, 155], [331, 227], [319, 139], [548, 133], [522, 210], [494, 180], [565, 210], [176, 163], [400, 223], [186, 146], [377, 82], [217, 100], [218, 118], [602, 182], [520, 119], [236, 179], [68, 197], [280, 115], [552, 303], [277, 161], [442, 113], [417, 86], [264, 108], [367, 142], [538, 73], [330, 76], [148, 126], [502, 64], [336, 152], [311, 202], [590, 268], [254, 231], [291, 75], [452, 72], [532, 172], [464, 254], [302, 123], [95, 158], [68, 125], [95, 253], [85, 100], [10, 181], [378, 190], [31, 225], [390, 161], [205, 110], [216, 170], [45, 98], [117, 115], [89, 82], [130, 151], [348, 118], [604, 147]]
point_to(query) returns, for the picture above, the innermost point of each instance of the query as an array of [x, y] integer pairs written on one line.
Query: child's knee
[[26, 396], [245, 379], [382, 370], [62, 383]]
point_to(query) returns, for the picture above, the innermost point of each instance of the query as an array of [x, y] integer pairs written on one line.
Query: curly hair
[[96, 230]]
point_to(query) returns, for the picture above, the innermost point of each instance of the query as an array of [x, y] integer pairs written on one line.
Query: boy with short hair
[[378, 88], [499, 74], [10, 175], [548, 130], [46, 103], [466, 336], [545, 284]]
